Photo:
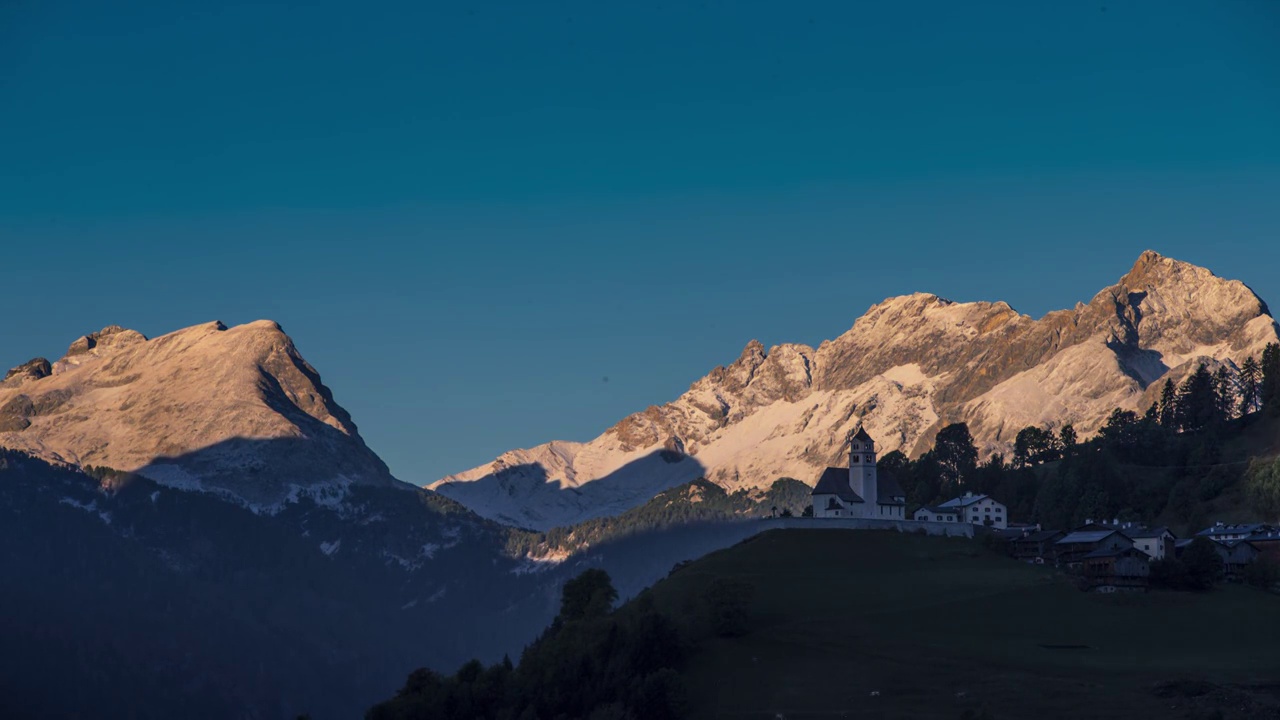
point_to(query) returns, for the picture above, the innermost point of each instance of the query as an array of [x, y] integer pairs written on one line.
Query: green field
[[941, 626]]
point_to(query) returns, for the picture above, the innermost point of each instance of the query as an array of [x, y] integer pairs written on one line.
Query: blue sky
[[468, 215]]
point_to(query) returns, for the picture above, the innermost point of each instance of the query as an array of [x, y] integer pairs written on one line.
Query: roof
[[1242, 529], [887, 486], [938, 510], [1087, 536], [963, 501], [835, 481], [862, 435], [1138, 533]]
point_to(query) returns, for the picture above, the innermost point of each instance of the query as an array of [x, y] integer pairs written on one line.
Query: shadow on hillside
[[264, 470], [526, 495]]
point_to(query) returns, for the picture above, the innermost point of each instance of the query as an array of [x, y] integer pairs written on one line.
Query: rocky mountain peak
[[236, 411], [33, 369]]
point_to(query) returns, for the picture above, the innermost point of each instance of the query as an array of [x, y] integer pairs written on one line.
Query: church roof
[[862, 435], [835, 481]]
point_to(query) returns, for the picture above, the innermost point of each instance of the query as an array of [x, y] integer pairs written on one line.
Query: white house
[[859, 491], [970, 508]]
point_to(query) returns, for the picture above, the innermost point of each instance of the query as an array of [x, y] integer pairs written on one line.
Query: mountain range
[[909, 366], [170, 507]]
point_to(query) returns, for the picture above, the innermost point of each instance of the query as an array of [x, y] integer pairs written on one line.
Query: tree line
[[592, 662], [1168, 458]]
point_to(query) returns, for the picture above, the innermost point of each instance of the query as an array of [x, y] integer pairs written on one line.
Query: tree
[[1224, 391], [1121, 429], [1067, 439], [1269, 385], [591, 594], [1197, 402], [808, 511], [956, 454], [1034, 445], [1262, 486], [1168, 404], [1249, 380], [1203, 563]]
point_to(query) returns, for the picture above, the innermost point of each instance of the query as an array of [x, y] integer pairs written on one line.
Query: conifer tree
[[1168, 404], [1269, 386], [1249, 381], [1196, 404], [1224, 390]]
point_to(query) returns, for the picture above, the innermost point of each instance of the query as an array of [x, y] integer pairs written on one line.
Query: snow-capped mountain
[[233, 411], [907, 367]]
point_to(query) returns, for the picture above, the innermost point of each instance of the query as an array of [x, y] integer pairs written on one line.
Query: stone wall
[[956, 529]]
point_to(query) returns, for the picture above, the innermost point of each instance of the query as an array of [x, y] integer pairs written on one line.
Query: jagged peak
[[35, 369]]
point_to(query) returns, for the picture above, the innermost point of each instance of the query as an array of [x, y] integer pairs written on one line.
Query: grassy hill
[[940, 627]]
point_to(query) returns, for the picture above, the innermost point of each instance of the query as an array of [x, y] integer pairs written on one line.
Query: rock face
[[235, 411], [907, 367]]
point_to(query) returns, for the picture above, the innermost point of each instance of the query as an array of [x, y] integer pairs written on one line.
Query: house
[[970, 508], [1268, 544], [1109, 569], [1037, 547], [1236, 556], [1157, 542], [1072, 547], [861, 490], [933, 513]]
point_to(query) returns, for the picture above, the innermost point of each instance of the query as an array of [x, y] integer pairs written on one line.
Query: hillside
[[824, 623], [937, 626], [907, 367]]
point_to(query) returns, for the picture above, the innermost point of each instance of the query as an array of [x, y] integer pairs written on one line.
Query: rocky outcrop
[[908, 366], [235, 411]]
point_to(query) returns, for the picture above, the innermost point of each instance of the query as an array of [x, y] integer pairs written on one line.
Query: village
[[1104, 556]]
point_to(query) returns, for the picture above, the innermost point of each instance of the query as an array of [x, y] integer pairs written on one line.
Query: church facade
[[859, 491]]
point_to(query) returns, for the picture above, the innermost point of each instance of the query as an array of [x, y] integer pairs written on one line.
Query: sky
[[493, 224]]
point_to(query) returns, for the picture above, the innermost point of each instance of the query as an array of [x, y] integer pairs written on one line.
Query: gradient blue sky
[[469, 214]]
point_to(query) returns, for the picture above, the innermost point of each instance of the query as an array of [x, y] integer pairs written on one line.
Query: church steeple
[[862, 470]]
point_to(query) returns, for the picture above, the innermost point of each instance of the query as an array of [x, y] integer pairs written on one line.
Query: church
[[859, 491]]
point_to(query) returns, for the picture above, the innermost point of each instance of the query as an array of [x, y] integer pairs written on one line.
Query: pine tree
[[1224, 390], [1249, 380], [1168, 404], [1269, 386], [1196, 404]]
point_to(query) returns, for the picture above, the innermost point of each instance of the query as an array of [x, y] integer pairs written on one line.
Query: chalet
[[1072, 547], [1037, 547], [860, 490], [970, 508], [1110, 569]]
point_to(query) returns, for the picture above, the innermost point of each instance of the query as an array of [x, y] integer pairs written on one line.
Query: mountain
[[907, 367], [127, 598], [232, 411]]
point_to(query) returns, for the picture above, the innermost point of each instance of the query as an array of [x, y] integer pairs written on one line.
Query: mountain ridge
[[907, 366], [189, 409]]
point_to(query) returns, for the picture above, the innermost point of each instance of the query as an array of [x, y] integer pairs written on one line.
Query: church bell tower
[[862, 471]]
